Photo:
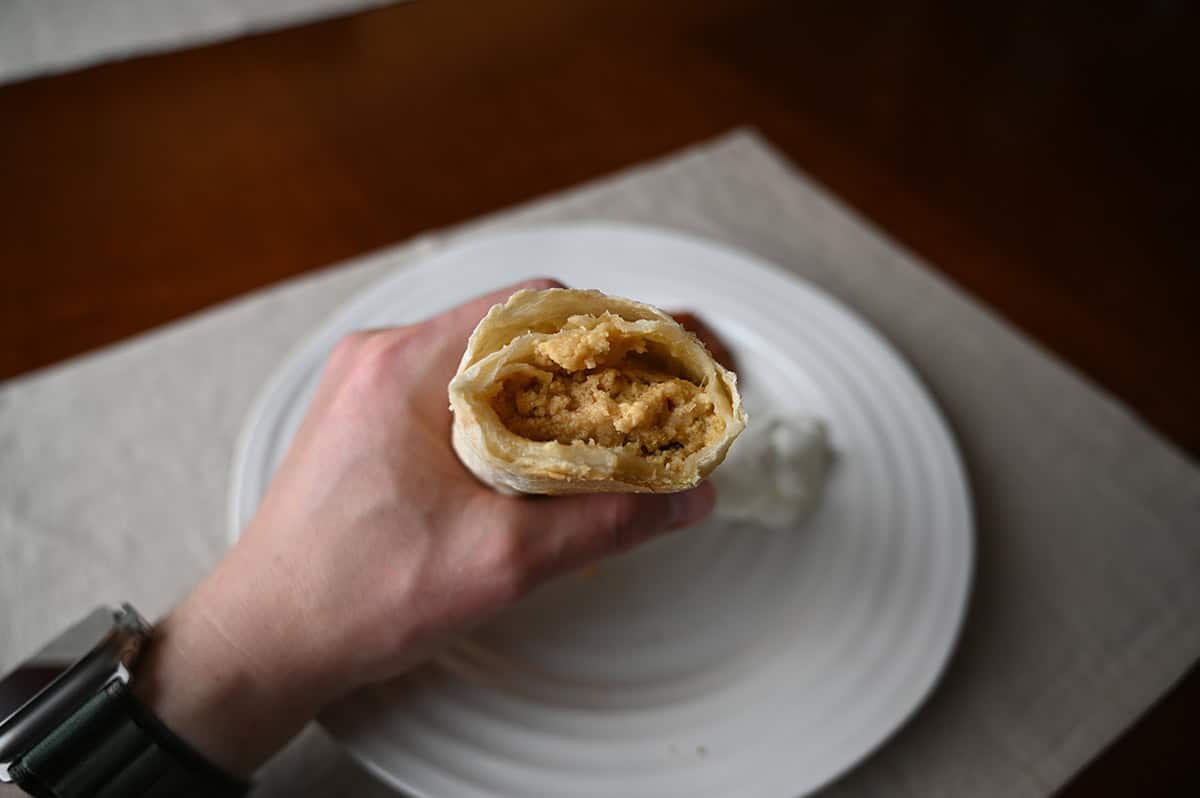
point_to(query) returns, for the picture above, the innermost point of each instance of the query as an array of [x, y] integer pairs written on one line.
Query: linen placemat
[[40, 36], [114, 473]]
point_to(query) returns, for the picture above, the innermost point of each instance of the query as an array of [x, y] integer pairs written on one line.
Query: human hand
[[372, 545], [699, 328]]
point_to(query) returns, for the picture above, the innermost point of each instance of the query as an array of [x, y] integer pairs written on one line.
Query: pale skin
[[371, 548]]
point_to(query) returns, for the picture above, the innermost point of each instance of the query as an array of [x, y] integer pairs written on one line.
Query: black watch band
[[114, 747]]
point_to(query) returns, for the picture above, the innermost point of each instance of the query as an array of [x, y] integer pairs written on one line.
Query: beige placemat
[[114, 475], [46, 36]]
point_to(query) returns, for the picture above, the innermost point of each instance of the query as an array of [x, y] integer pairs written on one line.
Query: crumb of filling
[[587, 342], [662, 417]]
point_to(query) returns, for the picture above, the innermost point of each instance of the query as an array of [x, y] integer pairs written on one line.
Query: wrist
[[229, 671]]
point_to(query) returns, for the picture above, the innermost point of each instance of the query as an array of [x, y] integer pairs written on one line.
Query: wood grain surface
[[1042, 155]]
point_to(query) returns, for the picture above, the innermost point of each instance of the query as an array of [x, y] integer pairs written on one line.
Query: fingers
[[564, 533], [464, 318], [459, 321], [695, 325], [445, 337]]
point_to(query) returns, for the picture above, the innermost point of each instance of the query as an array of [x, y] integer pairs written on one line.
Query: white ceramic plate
[[718, 662]]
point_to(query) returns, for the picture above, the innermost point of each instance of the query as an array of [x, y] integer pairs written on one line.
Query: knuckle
[[507, 563], [542, 283], [623, 521], [376, 356], [346, 348]]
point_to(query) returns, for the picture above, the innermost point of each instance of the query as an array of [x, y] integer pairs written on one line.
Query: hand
[[372, 545], [716, 347]]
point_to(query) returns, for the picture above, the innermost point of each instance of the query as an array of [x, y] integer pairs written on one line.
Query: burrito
[[569, 391]]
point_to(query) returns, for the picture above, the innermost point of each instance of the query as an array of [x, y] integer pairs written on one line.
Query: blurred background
[[1041, 155]]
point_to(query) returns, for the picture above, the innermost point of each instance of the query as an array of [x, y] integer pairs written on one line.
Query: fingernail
[[690, 506]]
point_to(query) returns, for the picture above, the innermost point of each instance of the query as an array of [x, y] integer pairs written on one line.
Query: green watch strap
[[113, 747]]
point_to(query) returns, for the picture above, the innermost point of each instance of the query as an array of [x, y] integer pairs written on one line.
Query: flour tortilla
[[510, 334]]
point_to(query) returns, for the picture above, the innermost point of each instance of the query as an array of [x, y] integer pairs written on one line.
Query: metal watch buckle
[[110, 659]]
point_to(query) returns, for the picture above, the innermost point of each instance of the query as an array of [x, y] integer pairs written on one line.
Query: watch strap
[[114, 747]]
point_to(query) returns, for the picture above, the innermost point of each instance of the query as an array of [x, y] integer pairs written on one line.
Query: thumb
[[567, 532]]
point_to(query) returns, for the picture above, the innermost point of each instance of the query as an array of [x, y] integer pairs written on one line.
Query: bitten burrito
[[570, 391]]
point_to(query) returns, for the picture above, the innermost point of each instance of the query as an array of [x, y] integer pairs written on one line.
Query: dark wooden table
[[1042, 155]]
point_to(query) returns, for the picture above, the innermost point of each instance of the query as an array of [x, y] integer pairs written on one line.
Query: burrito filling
[[594, 384]]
